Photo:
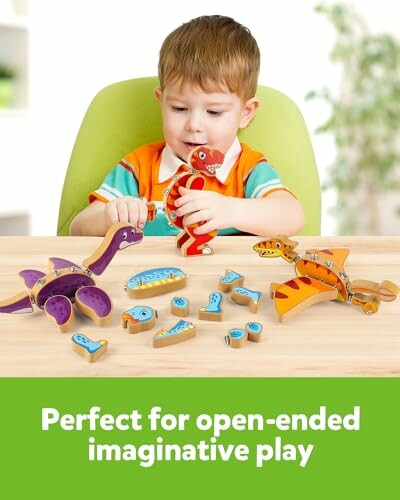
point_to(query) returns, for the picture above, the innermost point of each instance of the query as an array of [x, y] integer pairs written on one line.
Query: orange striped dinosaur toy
[[320, 277], [203, 162]]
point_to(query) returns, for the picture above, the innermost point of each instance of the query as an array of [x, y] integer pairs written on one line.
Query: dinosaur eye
[[202, 155], [278, 244], [124, 235], [133, 231], [143, 313]]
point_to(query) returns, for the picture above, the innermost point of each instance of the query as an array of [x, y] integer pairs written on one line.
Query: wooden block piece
[[237, 337], [229, 280], [298, 294], [18, 304], [59, 309], [254, 331], [180, 306], [139, 319], [94, 303], [245, 296], [183, 330], [212, 312], [155, 282], [86, 347]]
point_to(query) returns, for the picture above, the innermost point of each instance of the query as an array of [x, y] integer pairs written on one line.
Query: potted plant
[[7, 79], [364, 120]]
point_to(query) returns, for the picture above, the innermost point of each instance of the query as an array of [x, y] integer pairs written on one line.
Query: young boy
[[208, 71]]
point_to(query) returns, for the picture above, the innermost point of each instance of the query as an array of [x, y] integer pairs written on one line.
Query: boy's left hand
[[217, 210]]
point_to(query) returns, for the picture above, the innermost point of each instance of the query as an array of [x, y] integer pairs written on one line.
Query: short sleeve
[[121, 181], [263, 180]]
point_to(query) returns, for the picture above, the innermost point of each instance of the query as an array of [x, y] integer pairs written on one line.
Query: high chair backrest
[[126, 114]]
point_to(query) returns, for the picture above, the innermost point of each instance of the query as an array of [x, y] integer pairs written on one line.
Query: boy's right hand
[[126, 209]]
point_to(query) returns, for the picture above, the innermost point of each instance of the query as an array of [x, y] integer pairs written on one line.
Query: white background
[[76, 47]]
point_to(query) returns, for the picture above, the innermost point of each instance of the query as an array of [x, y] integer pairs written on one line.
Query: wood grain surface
[[328, 339]]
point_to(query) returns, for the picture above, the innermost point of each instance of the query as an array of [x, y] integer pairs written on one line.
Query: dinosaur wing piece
[[57, 263], [299, 293], [31, 276], [19, 304]]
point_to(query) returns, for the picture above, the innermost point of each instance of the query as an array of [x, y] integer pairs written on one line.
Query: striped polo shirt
[[148, 170]]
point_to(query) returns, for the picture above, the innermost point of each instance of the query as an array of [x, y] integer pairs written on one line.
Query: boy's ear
[[158, 93], [249, 110]]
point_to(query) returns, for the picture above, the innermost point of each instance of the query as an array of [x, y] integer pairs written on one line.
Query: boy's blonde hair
[[211, 52]]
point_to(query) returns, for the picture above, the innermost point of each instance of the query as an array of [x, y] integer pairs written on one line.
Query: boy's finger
[[142, 215], [182, 200], [195, 217], [133, 214], [123, 212], [205, 228], [111, 213]]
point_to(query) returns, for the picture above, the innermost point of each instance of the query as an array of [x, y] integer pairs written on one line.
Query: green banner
[[199, 438]]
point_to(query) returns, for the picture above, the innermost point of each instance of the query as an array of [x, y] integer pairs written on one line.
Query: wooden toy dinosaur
[[321, 277], [203, 162], [67, 283]]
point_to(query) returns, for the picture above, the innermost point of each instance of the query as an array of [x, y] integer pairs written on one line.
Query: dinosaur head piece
[[123, 235], [278, 246], [119, 236], [205, 160]]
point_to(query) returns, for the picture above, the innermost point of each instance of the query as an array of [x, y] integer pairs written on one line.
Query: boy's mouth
[[194, 144]]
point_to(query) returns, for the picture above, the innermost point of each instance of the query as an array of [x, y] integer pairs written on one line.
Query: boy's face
[[192, 117]]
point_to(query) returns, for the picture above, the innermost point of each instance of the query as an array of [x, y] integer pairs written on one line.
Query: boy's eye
[[178, 109], [212, 112]]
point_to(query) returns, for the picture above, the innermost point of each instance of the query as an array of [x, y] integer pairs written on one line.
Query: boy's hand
[[217, 210], [126, 209]]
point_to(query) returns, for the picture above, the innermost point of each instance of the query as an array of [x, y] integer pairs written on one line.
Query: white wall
[[79, 46]]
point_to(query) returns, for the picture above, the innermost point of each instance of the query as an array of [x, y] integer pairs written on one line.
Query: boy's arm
[[279, 212], [90, 222], [96, 218]]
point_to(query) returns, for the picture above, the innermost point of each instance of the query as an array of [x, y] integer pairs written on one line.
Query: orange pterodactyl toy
[[320, 277]]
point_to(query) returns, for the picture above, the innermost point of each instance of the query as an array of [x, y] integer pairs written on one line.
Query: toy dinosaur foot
[[94, 303], [197, 245], [92, 350], [182, 238], [59, 309]]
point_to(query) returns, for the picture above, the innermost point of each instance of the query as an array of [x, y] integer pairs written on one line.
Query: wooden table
[[328, 339]]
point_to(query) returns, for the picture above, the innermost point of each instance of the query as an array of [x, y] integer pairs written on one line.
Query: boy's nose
[[193, 123]]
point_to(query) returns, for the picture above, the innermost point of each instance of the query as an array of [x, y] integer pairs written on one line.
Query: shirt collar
[[170, 163]]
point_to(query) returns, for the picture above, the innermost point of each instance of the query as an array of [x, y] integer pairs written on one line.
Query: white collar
[[170, 163]]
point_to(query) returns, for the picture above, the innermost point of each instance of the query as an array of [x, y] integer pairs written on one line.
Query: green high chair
[[126, 114]]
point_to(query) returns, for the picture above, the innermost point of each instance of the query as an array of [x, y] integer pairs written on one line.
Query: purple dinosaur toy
[[67, 283]]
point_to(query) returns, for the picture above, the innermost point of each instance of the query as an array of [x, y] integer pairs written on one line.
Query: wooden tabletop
[[328, 339]]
